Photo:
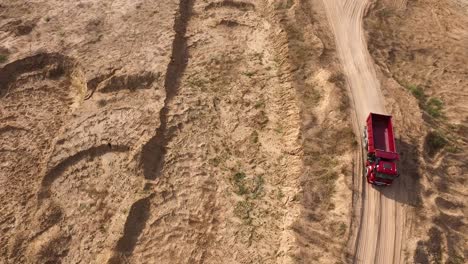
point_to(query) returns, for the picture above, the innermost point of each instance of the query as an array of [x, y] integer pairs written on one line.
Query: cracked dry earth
[[170, 132]]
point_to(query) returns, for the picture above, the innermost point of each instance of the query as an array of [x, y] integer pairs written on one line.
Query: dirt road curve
[[379, 220]]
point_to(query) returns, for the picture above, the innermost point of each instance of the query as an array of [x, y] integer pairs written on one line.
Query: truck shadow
[[407, 188]]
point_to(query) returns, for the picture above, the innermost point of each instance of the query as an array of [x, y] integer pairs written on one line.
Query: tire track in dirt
[[58, 169], [37, 93], [139, 213], [378, 237], [243, 6], [154, 151], [53, 64]]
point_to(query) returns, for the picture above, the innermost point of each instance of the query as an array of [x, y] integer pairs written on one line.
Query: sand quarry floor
[[203, 131]]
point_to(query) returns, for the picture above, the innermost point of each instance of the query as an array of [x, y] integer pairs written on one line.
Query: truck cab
[[381, 156]]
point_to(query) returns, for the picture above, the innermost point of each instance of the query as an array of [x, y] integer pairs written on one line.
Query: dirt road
[[379, 218]]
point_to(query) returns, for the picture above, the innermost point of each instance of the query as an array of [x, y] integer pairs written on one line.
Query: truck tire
[[364, 138], [366, 172]]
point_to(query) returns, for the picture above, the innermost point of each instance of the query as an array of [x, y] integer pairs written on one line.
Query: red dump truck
[[381, 155]]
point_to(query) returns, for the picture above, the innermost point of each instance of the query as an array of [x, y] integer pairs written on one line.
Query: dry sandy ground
[[422, 55], [167, 132], [209, 131]]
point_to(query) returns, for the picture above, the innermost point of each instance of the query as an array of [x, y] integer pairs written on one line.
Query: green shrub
[[435, 141], [434, 107], [3, 58], [239, 184], [342, 229], [417, 92]]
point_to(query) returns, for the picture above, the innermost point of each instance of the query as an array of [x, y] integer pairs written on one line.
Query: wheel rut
[[155, 149], [58, 170], [153, 153]]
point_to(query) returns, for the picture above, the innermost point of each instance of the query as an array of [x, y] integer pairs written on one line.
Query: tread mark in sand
[[155, 149], [58, 169], [243, 6], [52, 66]]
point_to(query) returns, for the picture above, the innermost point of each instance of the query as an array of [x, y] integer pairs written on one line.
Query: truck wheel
[[367, 179], [364, 138]]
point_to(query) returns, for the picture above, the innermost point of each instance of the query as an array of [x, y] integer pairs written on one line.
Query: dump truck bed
[[382, 134], [381, 140]]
